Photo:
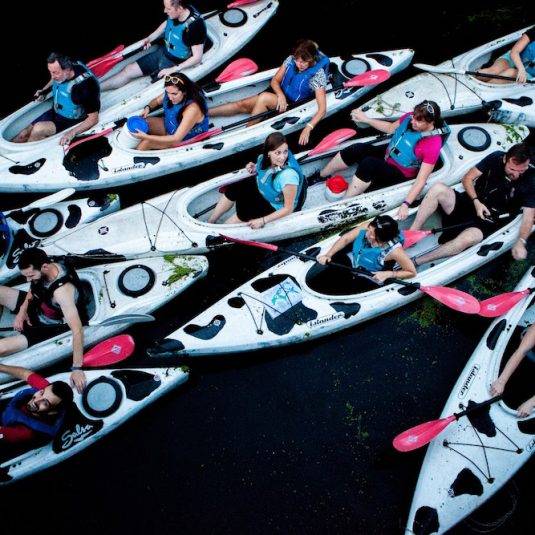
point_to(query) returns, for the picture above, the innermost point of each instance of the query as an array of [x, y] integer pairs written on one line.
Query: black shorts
[[37, 332], [61, 123], [372, 166], [250, 204], [156, 60], [464, 212]]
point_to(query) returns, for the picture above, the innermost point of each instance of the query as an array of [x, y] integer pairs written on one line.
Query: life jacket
[[62, 93], [42, 295], [5, 235], [403, 142], [296, 85], [528, 58], [371, 258], [174, 35], [13, 415], [172, 112], [266, 177]]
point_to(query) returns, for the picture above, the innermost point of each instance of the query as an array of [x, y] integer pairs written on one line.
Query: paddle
[[451, 297], [450, 70], [110, 351], [502, 303], [122, 318], [414, 236], [50, 199], [422, 434], [360, 80]]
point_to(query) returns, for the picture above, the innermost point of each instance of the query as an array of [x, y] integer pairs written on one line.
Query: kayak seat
[[89, 296], [335, 76]]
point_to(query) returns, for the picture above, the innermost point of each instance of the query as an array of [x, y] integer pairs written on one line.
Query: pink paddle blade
[[332, 140], [113, 52], [414, 236], [88, 138], [500, 304], [237, 69], [453, 298], [238, 3], [200, 137], [110, 351], [420, 435], [101, 68], [261, 245], [368, 78]]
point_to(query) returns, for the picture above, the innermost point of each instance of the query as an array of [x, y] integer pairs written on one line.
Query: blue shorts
[[61, 123], [153, 62], [507, 57]]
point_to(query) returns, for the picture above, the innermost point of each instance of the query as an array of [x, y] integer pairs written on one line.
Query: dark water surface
[[292, 440]]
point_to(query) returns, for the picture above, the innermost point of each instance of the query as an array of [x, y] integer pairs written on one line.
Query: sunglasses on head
[[428, 107], [175, 80]]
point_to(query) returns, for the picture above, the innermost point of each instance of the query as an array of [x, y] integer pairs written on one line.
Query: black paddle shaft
[[497, 76], [478, 406]]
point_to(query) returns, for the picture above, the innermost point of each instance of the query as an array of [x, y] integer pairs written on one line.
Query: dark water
[[293, 440]]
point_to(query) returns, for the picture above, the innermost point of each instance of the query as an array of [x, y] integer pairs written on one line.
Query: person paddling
[[278, 189], [412, 153], [303, 76]]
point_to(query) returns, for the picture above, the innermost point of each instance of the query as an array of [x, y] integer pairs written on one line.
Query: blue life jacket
[[174, 36], [266, 177], [13, 415], [403, 142], [528, 58], [172, 112], [62, 94], [5, 235], [368, 257], [296, 85]]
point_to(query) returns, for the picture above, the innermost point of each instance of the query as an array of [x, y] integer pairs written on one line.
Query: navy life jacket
[[296, 84], [528, 58], [13, 415], [172, 113]]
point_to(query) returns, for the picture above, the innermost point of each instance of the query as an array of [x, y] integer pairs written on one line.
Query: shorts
[[372, 166], [153, 62], [507, 57], [61, 123], [464, 212], [37, 332], [250, 203]]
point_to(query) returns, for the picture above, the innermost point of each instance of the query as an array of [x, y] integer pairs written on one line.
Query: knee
[[41, 130], [438, 190]]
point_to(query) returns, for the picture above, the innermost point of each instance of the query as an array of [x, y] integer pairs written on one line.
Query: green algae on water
[[179, 271], [426, 315]]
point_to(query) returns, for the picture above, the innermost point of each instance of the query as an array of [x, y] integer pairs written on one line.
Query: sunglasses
[[175, 80], [428, 107]]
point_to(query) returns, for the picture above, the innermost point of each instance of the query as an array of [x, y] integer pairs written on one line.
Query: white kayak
[[454, 93], [518, 110], [127, 289], [177, 221], [228, 32], [286, 304], [111, 397], [476, 455], [107, 160], [27, 228]]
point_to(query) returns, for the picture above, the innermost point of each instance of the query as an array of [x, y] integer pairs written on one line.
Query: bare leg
[[233, 219], [12, 344], [465, 239], [23, 135], [500, 67], [438, 194], [156, 128], [223, 205], [336, 164], [42, 130], [356, 187], [245, 105], [8, 297], [122, 78], [264, 102]]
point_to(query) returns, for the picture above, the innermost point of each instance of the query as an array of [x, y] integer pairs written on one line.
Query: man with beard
[[35, 413], [498, 185]]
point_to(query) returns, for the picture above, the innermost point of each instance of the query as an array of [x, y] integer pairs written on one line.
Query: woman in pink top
[[412, 153]]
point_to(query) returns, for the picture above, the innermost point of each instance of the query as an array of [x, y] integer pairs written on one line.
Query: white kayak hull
[[104, 162], [29, 228], [114, 290], [226, 40], [279, 307], [518, 110], [96, 414], [171, 222], [474, 457], [456, 94]]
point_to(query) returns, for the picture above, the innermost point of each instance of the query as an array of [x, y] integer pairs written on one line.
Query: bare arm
[[277, 80], [16, 371], [408, 270], [519, 250], [197, 52], [517, 49], [157, 32], [419, 182], [289, 192], [343, 241]]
